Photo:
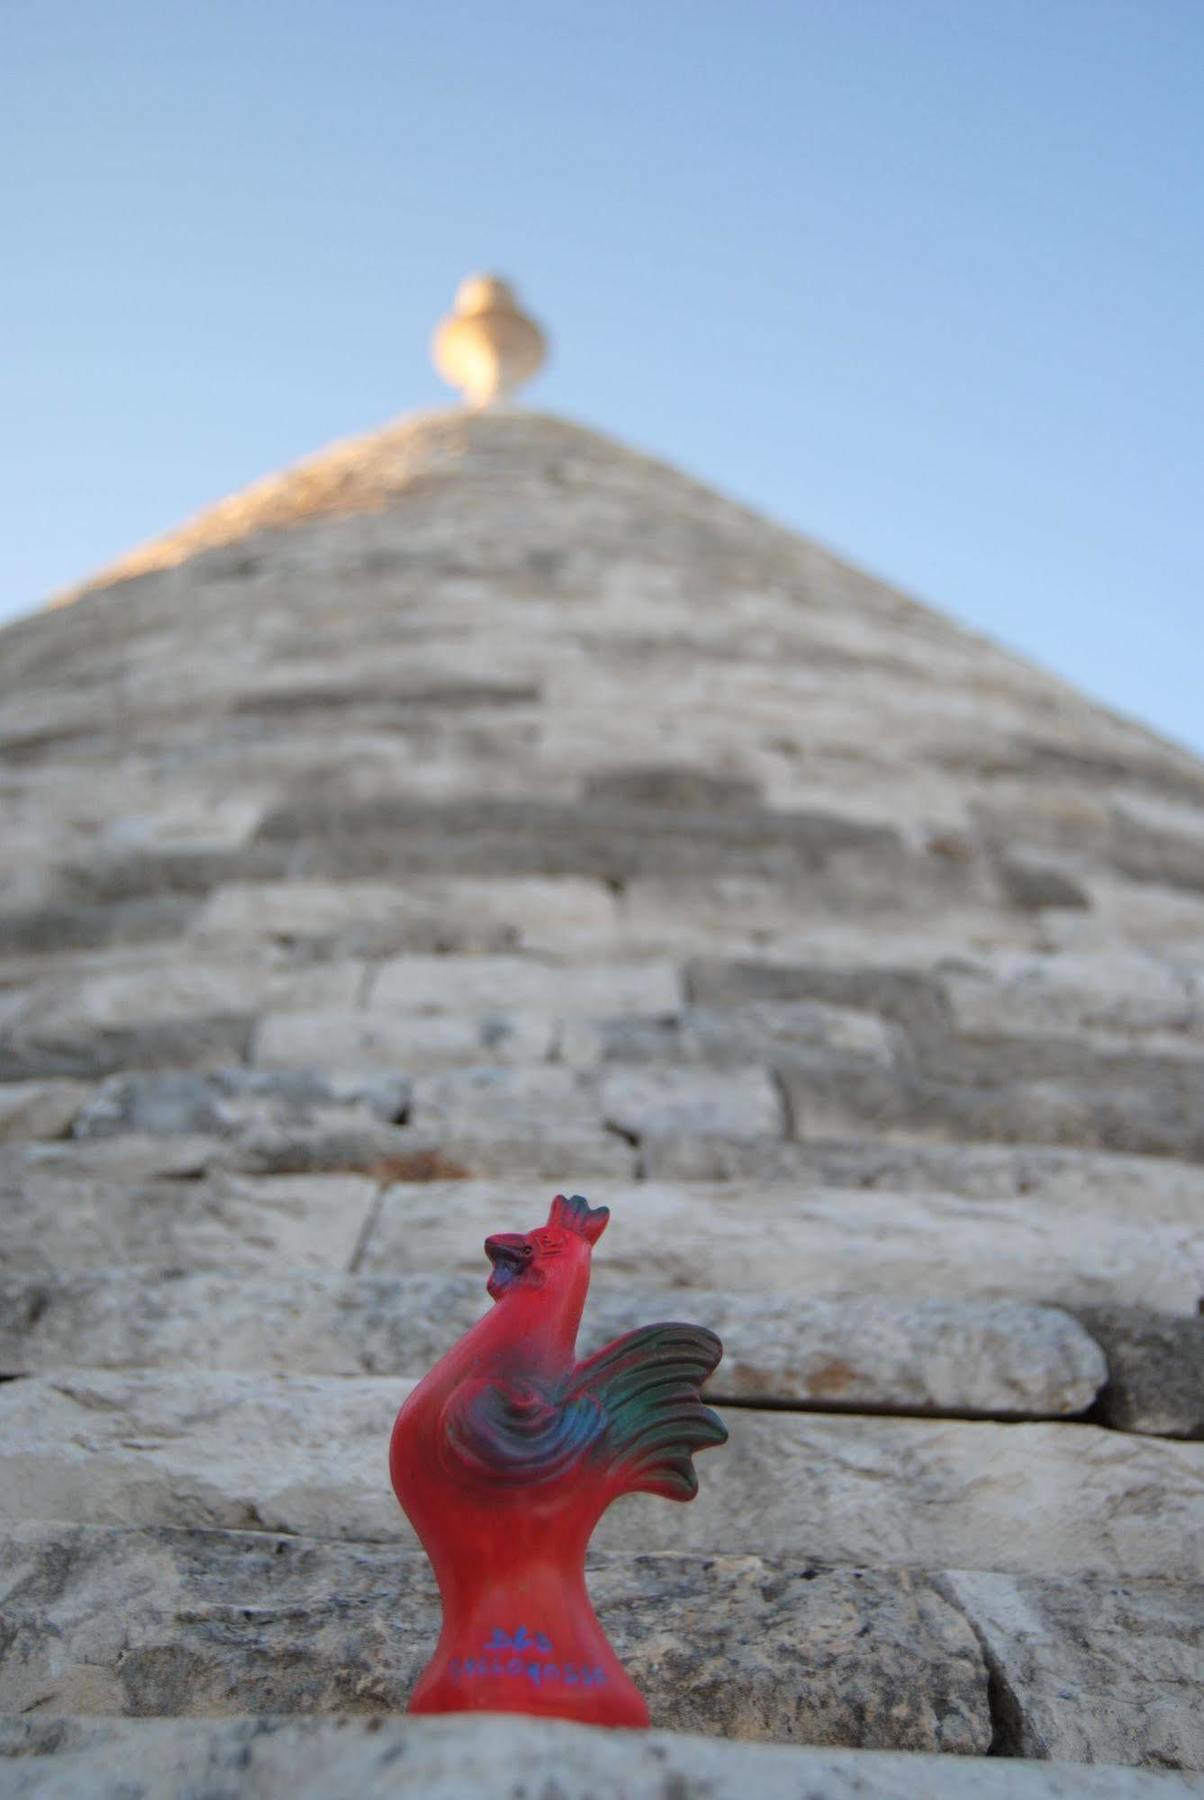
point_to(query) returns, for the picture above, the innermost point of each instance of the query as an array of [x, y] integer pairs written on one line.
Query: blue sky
[[920, 277]]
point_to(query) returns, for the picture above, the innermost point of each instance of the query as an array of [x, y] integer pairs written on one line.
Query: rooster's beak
[[509, 1253]]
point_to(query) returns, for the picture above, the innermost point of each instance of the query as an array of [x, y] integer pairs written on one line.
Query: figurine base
[[565, 1669]]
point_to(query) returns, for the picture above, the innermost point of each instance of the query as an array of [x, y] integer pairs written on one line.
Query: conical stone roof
[[481, 808]]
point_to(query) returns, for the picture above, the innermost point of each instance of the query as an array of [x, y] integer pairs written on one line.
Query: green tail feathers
[[647, 1385]]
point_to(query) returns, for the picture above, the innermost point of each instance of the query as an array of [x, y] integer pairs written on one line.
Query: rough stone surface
[[938, 1356], [1155, 1370], [224, 1221], [732, 1104], [1089, 1670], [1095, 1185], [552, 1104], [382, 919], [42, 1050], [443, 1759], [203, 1622], [39, 1109], [302, 1454], [741, 1238], [361, 1040], [171, 989], [485, 984], [227, 1101]]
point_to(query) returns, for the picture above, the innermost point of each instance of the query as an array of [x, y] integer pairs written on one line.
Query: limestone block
[[1091, 1670], [1033, 1498], [198, 822], [1036, 882], [225, 1101], [54, 927], [733, 1037], [736, 1103], [1155, 1370], [304, 1454], [839, 1031], [1070, 996], [953, 1357], [1095, 1183], [402, 1041], [1158, 838], [546, 1103], [328, 1142], [869, 985], [128, 1160], [382, 918], [167, 989], [487, 984], [39, 1109], [354, 838], [51, 1221], [200, 1041], [211, 1622], [509, 1759], [939, 1356], [743, 1238], [1138, 1102]]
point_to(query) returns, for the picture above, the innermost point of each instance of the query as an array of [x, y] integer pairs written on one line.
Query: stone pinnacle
[[489, 346]]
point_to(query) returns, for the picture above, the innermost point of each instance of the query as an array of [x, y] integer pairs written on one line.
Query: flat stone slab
[[442, 984], [1075, 996], [1095, 1182], [400, 1042], [224, 1102], [306, 1454], [937, 1356], [204, 1622], [39, 1109], [54, 1219], [1155, 1370], [77, 1205], [509, 1759], [739, 1237], [382, 918], [735, 1103], [175, 987], [543, 1104], [1091, 1670]]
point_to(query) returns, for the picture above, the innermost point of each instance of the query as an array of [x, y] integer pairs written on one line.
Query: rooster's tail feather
[[647, 1385]]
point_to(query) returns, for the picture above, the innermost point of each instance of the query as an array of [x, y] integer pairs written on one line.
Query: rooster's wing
[[516, 1433]]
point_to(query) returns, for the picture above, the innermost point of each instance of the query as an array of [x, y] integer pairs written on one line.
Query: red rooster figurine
[[506, 1456]]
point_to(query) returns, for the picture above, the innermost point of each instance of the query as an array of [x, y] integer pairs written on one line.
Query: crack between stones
[[867, 1409], [371, 1218], [1004, 1710], [790, 1122]]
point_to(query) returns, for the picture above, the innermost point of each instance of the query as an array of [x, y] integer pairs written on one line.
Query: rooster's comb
[[576, 1214]]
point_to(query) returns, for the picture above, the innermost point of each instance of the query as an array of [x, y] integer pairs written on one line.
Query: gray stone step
[[70, 1208], [104, 1620], [167, 1622], [1093, 1181], [937, 1356], [63, 1220], [307, 1454], [1090, 1669], [745, 1238], [509, 1759]]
